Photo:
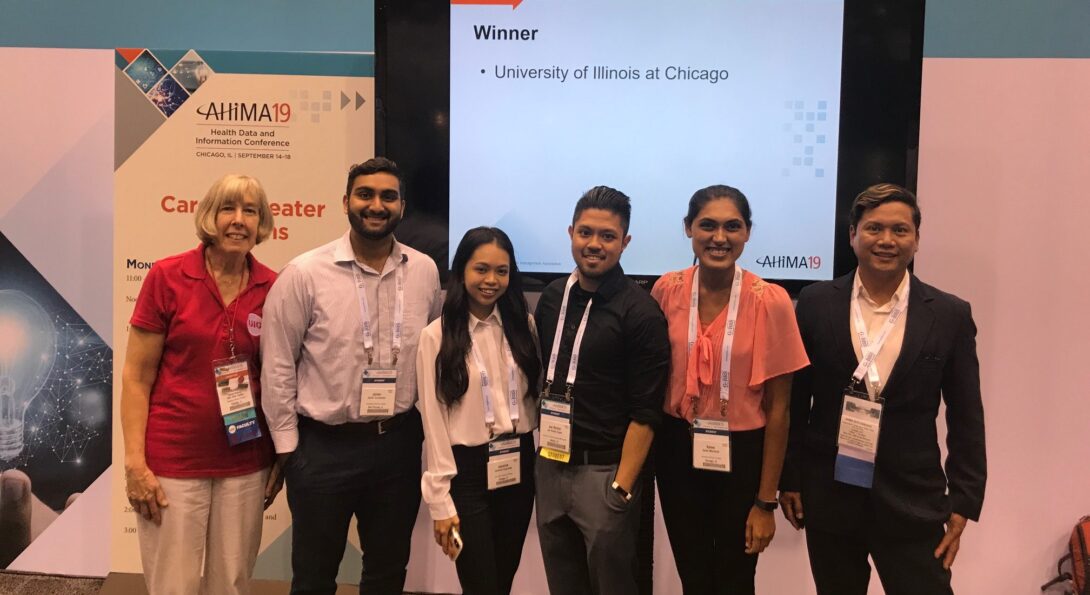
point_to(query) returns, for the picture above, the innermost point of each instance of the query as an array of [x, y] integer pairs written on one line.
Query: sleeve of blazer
[[801, 393], [966, 463]]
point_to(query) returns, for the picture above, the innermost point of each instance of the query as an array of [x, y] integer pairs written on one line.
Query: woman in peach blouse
[[721, 446]]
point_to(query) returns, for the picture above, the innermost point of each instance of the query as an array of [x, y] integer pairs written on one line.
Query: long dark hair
[[451, 371]]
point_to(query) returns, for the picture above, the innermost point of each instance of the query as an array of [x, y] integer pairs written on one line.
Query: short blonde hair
[[231, 188]]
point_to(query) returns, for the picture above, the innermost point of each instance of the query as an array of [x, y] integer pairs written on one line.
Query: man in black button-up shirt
[[588, 507]]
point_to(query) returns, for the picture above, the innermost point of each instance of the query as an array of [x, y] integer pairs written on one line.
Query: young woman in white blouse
[[477, 371]]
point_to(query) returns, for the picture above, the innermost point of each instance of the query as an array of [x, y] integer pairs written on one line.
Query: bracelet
[[623, 492], [765, 505]]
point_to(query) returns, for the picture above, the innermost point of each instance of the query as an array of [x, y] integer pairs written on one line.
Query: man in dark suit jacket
[[911, 518]]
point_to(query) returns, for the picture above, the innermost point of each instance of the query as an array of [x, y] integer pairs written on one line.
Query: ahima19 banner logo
[[225, 111], [789, 262]]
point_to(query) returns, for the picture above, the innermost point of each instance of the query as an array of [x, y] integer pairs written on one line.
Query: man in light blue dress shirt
[[338, 375]]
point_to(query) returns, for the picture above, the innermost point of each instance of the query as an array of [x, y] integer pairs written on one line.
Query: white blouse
[[464, 423]]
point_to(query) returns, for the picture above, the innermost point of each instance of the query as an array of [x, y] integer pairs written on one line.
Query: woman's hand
[[145, 494], [442, 534], [760, 528]]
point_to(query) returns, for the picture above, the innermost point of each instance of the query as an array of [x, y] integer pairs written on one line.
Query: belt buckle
[[382, 426]]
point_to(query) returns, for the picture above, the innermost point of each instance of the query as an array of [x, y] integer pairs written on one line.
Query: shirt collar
[[859, 291], [493, 319], [193, 263], [343, 252], [193, 266], [259, 273], [612, 284]]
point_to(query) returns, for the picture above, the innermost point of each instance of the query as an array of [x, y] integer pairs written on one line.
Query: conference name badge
[[857, 439], [378, 392], [236, 398], [504, 463], [711, 445], [555, 429]]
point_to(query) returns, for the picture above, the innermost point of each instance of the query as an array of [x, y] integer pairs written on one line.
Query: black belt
[[581, 456], [370, 428]]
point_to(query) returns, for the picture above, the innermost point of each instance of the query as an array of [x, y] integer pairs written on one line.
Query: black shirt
[[624, 360]]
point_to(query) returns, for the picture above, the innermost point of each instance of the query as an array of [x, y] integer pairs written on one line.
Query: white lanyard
[[728, 336], [365, 317], [866, 347], [555, 353], [486, 386]]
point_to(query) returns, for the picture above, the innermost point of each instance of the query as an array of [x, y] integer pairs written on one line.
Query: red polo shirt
[[185, 436]]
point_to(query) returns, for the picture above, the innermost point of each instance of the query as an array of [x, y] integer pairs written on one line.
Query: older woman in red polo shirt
[[197, 451]]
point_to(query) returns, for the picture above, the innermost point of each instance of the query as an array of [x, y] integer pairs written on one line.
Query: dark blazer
[[911, 493]]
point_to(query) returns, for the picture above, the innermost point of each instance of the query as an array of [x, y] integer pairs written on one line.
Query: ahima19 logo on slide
[[788, 262], [227, 111]]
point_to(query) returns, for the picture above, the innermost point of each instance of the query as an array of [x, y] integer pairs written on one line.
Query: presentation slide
[[656, 99]]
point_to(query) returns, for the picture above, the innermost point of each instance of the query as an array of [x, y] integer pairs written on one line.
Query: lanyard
[[555, 353], [870, 349], [229, 315], [486, 387], [365, 316], [728, 336]]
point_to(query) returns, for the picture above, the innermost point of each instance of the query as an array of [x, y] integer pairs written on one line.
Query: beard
[[592, 273], [356, 221], [600, 270]]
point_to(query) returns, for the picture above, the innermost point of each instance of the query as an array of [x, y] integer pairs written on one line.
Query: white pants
[[214, 523]]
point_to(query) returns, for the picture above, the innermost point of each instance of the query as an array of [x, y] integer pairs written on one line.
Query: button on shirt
[[312, 349], [875, 316], [464, 423], [624, 358]]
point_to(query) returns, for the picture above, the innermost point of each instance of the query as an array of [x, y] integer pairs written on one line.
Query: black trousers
[[906, 565], [340, 471], [493, 522], [705, 512]]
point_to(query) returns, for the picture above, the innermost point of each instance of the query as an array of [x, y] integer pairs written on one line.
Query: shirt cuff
[[285, 441], [443, 509], [651, 417]]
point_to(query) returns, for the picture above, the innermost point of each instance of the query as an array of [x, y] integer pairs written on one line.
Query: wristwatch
[[623, 492], [765, 505]]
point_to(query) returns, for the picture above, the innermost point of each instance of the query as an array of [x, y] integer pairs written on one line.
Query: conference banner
[[55, 352], [183, 118]]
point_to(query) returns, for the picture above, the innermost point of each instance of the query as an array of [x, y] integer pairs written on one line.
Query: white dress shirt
[[464, 423], [312, 351], [875, 316]]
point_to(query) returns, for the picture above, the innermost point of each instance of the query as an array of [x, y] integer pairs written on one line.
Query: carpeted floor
[[16, 583]]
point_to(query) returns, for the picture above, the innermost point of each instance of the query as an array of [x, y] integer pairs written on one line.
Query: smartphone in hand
[[455, 542]]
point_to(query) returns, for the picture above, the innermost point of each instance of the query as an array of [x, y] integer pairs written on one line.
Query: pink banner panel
[[1004, 168]]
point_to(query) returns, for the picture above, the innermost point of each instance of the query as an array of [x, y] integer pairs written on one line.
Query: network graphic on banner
[[55, 382]]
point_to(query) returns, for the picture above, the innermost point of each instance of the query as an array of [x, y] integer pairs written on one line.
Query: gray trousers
[[587, 531]]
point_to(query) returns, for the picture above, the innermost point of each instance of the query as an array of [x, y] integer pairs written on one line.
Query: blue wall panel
[[1007, 29], [271, 25]]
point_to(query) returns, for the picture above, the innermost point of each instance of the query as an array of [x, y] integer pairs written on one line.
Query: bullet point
[[482, 71]]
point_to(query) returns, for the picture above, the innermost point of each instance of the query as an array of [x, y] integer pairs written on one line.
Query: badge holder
[[711, 445], [857, 438], [504, 461], [555, 425], [378, 392], [236, 399]]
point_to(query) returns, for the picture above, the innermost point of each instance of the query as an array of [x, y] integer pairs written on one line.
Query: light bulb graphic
[[28, 346]]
